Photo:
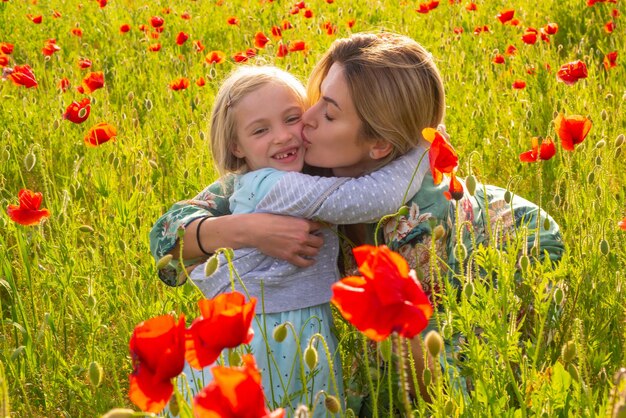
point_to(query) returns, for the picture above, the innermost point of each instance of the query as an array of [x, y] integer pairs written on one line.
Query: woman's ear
[[379, 149]]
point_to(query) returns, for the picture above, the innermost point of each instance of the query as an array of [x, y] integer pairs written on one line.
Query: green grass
[[69, 297]]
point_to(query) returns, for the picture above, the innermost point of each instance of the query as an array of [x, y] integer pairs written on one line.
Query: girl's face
[[332, 127], [268, 128]]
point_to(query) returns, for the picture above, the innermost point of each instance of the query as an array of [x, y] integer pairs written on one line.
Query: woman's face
[[331, 130]]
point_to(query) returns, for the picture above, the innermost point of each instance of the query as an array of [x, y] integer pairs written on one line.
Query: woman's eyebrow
[[329, 100]]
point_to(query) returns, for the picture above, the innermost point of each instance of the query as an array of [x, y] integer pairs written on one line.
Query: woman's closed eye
[[328, 118]]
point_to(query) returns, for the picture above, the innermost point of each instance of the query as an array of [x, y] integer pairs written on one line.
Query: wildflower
[[64, 84], [181, 38], [572, 130], [22, 75], [506, 15], [308, 13], [6, 48], [4, 60], [198, 46], [78, 112], [84, 63], [35, 19], [471, 7], [443, 158], [545, 152], [28, 211], [530, 36], [610, 60], [232, 21], [179, 84], [282, 50], [295, 46], [99, 134], [571, 72], [93, 81], [156, 21], [510, 50], [276, 32], [124, 28], [50, 47], [215, 57], [551, 28], [154, 47], [622, 224], [455, 190], [519, 84], [225, 323], [609, 27], [260, 40], [234, 392], [386, 298], [157, 348], [200, 82]]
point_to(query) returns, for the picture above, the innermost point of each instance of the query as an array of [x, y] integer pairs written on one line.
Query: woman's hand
[[287, 238]]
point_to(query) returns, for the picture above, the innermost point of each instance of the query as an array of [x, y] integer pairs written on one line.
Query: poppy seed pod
[[332, 404], [600, 144], [448, 407], [434, 343], [280, 333], [310, 357]]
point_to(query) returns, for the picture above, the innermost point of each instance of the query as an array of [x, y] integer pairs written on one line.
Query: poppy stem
[[406, 402], [370, 383]]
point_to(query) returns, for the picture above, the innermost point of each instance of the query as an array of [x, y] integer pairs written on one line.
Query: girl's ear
[[380, 148], [237, 151]]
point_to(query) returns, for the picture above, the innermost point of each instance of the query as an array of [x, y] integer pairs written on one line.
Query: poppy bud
[[310, 357], [573, 371], [598, 158], [174, 406], [189, 139], [468, 290], [604, 247], [201, 135], [119, 413], [95, 373], [385, 349], [332, 404], [211, 265], [91, 301], [590, 177], [186, 174], [557, 200], [133, 180], [524, 263], [558, 296], [617, 153], [280, 333], [568, 352], [427, 376], [507, 196], [470, 184], [148, 104], [180, 232], [448, 408], [234, 358], [130, 96], [116, 162], [546, 224], [599, 191], [604, 115], [600, 144], [460, 251], [403, 211], [153, 164], [447, 331], [164, 261], [619, 140], [29, 161], [434, 343], [438, 232], [55, 124], [302, 411], [229, 253]]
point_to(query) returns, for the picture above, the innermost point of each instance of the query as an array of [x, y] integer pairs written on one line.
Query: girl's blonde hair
[[394, 83], [242, 81]]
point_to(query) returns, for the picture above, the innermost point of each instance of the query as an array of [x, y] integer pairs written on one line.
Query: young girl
[[256, 133]]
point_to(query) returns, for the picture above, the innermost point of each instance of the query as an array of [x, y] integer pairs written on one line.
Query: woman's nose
[[309, 117]]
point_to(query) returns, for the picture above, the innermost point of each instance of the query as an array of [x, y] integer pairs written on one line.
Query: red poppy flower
[[64, 84], [154, 47], [198, 46], [386, 298], [4, 60], [156, 21], [50, 47], [301, 5], [545, 152], [35, 19], [102, 3], [22, 75], [84, 63], [622, 224], [225, 323], [28, 211], [99, 134], [571, 72], [185, 16], [295, 46], [351, 23], [329, 28], [506, 15], [234, 392], [610, 60], [530, 36], [471, 7], [519, 84], [179, 84], [282, 50], [308, 13], [215, 57], [510, 50], [614, 13], [260, 40], [143, 28], [93, 81], [124, 28], [200, 82], [77, 32], [56, 14], [458, 30], [157, 348], [456, 189], [6, 48], [422, 8], [181, 38], [551, 28], [276, 32], [572, 130], [443, 158], [78, 112], [294, 10], [232, 20], [286, 25], [609, 27], [498, 59]]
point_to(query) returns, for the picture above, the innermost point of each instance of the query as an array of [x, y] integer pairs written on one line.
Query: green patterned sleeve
[[212, 201]]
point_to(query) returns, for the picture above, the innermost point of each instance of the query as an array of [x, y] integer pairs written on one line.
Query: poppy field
[[104, 121]]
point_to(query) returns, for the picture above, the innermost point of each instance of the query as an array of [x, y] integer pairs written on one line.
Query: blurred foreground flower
[[386, 298], [443, 158], [21, 75], [157, 348], [571, 72], [622, 224], [225, 323], [99, 134], [27, 212], [234, 392], [572, 130]]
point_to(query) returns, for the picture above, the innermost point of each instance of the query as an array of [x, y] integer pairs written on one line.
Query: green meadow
[[73, 287]]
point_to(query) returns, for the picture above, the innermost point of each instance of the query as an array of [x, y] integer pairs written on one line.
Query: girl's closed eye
[[293, 119], [259, 131]]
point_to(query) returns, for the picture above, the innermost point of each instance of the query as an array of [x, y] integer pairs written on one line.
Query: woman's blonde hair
[[394, 83], [242, 81]]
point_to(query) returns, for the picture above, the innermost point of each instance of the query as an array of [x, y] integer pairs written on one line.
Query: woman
[[365, 87]]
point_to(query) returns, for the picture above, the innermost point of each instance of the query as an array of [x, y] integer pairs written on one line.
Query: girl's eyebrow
[[331, 101]]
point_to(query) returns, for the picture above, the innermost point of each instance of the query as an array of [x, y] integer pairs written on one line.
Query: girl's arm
[[349, 200]]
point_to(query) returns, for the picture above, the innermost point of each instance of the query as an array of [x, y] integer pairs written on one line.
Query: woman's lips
[[305, 140]]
